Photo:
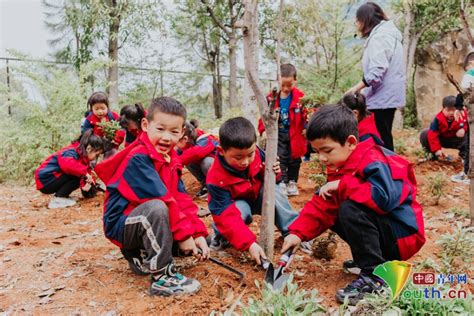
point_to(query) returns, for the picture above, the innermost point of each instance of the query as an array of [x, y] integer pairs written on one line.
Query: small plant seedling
[[110, 128], [457, 250], [437, 184]]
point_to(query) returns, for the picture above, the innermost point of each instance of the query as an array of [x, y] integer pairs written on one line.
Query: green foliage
[[410, 116], [437, 184], [319, 179], [287, 301], [110, 128], [459, 212], [457, 250], [400, 146]]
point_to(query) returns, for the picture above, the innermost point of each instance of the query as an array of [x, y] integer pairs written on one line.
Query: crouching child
[[146, 208], [369, 201]]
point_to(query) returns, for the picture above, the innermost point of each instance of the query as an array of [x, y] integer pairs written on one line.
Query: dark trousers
[[368, 234], [147, 227], [462, 144], [290, 168], [63, 186], [384, 121]]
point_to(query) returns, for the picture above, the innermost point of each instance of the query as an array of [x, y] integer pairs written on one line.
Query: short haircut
[[288, 70], [237, 132], [131, 112], [166, 105], [469, 58], [355, 101], [449, 101], [370, 15], [334, 121], [97, 97]]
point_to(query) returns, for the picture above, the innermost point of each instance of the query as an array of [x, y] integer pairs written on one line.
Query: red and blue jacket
[[92, 121], [368, 129], [382, 181], [298, 119], [444, 127], [226, 185], [65, 161], [205, 146], [139, 174]]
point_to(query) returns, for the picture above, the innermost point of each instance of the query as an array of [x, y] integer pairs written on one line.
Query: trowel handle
[[285, 257], [265, 263]]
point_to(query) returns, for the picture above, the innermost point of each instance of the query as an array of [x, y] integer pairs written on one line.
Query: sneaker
[[283, 188], [219, 243], [60, 202], [135, 261], [357, 289], [170, 282], [292, 188], [202, 193], [307, 247], [460, 178], [349, 266]]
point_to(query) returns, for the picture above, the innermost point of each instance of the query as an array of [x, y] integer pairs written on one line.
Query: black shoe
[[357, 289], [135, 261], [202, 193], [349, 266], [219, 243]]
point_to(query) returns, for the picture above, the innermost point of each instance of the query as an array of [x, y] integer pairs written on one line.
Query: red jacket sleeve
[[315, 218], [228, 219], [70, 162], [196, 153], [433, 136]]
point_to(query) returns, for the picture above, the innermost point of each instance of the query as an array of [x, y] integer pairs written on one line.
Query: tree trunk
[[270, 120], [406, 32], [112, 76], [469, 102], [233, 69]]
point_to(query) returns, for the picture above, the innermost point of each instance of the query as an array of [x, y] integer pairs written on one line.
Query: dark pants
[[147, 227], [199, 170], [384, 121], [462, 144], [368, 234], [290, 168], [63, 186]]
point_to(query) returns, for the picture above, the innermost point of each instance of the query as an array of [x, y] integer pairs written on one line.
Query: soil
[[58, 261]]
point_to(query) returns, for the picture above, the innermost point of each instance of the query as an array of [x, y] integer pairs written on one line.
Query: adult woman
[[383, 67]]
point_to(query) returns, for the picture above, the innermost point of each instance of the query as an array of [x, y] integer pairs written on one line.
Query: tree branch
[[214, 18]]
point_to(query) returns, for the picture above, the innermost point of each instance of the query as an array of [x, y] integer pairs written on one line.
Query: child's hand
[[304, 132], [459, 115], [89, 178], [276, 167], [325, 190], [460, 133], [201, 244], [188, 246], [256, 252], [291, 241], [439, 154]]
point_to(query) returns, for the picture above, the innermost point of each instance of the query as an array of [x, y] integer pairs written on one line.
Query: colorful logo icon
[[423, 278], [395, 273]]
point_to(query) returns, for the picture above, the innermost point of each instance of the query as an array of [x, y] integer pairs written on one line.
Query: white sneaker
[[460, 178], [60, 202], [283, 188], [292, 188]]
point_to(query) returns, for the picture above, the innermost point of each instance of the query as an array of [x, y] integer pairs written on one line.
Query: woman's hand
[[325, 190]]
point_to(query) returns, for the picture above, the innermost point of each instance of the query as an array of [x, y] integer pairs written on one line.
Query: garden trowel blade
[[269, 275], [278, 284]]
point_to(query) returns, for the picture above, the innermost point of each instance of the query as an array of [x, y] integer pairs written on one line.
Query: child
[[68, 169], [99, 112], [131, 120], [235, 184], [370, 201], [195, 124], [445, 131], [146, 207], [197, 153], [460, 114], [365, 119], [291, 129]]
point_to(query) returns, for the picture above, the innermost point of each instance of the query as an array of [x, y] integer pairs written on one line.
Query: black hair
[[166, 105], [190, 132], [288, 70], [356, 101], [194, 122], [237, 132], [89, 139], [334, 121], [469, 58], [133, 113], [97, 97], [370, 15], [449, 101]]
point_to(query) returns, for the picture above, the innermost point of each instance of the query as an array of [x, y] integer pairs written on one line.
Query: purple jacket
[[384, 67]]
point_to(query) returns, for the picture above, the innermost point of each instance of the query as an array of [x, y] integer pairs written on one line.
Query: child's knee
[[157, 208]]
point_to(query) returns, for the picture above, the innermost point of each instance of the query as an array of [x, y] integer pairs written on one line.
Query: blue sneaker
[[169, 282], [357, 289]]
